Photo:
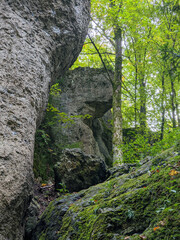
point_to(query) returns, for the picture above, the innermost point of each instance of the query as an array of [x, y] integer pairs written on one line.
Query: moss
[[166, 225], [139, 205], [131, 206], [47, 214], [42, 237]]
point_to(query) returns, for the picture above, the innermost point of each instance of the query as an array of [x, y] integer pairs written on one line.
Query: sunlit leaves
[[151, 46]]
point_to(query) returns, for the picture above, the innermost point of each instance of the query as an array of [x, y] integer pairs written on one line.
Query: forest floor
[[44, 194]]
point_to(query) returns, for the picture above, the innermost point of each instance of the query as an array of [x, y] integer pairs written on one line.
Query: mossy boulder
[[142, 204], [76, 170]]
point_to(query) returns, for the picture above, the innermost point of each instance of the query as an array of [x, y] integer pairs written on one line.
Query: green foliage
[[62, 188], [63, 117], [55, 90], [151, 37], [130, 214], [170, 139], [147, 145], [44, 155], [135, 150]]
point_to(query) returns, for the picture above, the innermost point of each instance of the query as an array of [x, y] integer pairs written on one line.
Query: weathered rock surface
[[78, 171], [141, 204], [39, 41], [85, 91], [32, 218]]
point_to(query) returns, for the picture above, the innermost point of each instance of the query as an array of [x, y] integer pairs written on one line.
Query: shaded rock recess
[[39, 41]]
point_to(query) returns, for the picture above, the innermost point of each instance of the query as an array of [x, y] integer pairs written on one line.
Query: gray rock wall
[[39, 41], [84, 91]]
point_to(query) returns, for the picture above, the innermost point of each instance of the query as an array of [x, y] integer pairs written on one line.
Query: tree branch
[[101, 58]]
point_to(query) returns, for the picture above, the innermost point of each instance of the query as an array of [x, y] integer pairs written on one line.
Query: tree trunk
[[173, 93], [142, 91], [177, 112], [135, 104], [117, 114], [142, 104], [163, 108]]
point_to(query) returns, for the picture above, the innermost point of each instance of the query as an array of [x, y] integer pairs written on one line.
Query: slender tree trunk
[[117, 114], [177, 112], [142, 90], [143, 104], [177, 106], [135, 104], [173, 94], [163, 108]]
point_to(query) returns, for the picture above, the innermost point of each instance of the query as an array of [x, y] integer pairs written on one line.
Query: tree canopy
[[150, 55]]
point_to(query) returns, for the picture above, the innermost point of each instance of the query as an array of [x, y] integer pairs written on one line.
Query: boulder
[[141, 204], [77, 170], [85, 91], [39, 41]]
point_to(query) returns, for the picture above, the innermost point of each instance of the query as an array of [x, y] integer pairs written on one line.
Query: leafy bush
[[141, 146]]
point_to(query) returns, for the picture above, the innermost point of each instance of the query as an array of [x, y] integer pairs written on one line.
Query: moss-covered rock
[[142, 204], [77, 170]]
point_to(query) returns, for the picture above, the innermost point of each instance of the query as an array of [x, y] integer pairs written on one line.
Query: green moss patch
[[132, 206]]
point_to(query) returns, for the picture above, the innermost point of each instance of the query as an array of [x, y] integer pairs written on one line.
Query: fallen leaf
[[155, 228], [43, 184], [127, 237], [173, 172]]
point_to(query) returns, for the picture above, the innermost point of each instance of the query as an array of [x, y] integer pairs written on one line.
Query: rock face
[[85, 91], [39, 41], [135, 204], [79, 171], [32, 218]]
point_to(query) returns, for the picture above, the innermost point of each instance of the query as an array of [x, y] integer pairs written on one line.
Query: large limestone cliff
[[39, 41]]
